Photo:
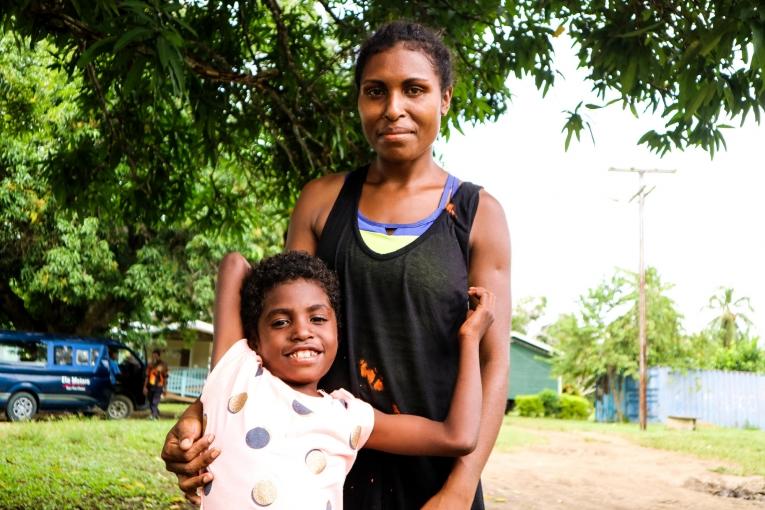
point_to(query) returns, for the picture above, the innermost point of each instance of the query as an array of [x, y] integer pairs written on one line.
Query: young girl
[[286, 444]]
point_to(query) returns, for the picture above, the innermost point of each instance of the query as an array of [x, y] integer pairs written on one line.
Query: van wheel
[[120, 407], [22, 406]]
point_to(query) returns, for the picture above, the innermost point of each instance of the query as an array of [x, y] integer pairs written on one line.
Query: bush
[[550, 402], [574, 408], [529, 405]]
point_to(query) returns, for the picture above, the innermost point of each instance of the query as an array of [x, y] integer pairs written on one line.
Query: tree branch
[[58, 21]]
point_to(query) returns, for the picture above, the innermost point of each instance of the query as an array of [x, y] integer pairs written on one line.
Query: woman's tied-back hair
[[276, 270], [414, 37]]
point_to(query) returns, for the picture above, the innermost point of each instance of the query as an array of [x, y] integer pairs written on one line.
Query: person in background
[[114, 367], [156, 383]]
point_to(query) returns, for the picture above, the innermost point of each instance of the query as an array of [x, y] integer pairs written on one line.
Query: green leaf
[[164, 51], [134, 75], [730, 102], [92, 51], [628, 75], [710, 44], [641, 31], [135, 34]]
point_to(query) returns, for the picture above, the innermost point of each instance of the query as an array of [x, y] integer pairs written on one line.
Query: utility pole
[[640, 195]]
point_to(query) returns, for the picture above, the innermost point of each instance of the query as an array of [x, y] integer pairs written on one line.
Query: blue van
[[43, 371]]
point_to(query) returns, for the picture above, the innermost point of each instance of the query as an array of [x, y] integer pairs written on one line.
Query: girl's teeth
[[303, 354]]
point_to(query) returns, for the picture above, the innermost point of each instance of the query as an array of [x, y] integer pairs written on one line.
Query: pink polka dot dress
[[280, 449]]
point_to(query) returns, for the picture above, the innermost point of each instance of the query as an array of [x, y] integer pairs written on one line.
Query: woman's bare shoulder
[[311, 211], [320, 187], [490, 223]]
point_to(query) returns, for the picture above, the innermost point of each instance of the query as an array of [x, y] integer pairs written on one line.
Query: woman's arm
[[489, 268], [405, 434]]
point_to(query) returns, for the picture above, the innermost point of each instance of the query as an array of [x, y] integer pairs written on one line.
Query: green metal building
[[529, 368]]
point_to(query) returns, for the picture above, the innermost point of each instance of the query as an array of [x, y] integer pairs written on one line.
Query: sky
[[570, 219]]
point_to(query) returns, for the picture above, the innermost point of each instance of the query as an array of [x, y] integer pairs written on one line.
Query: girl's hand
[[478, 320]]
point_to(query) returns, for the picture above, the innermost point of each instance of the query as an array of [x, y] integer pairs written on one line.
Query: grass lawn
[[71, 462], [745, 448]]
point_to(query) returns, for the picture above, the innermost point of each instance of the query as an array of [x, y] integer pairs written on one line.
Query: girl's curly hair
[[279, 269]]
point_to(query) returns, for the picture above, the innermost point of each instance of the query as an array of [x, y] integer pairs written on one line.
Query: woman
[[406, 240]]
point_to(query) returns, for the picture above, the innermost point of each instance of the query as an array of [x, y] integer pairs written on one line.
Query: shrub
[[574, 408], [550, 402], [529, 405]]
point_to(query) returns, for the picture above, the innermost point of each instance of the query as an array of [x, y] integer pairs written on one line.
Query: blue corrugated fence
[[729, 399]]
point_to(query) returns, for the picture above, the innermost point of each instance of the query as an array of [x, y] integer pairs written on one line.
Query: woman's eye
[[374, 92], [415, 91]]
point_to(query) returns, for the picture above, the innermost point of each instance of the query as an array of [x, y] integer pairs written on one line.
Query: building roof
[[531, 342], [200, 326]]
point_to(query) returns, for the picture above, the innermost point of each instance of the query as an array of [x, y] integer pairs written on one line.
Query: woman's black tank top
[[398, 349]]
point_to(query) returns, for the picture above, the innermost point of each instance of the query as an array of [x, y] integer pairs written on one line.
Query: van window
[[24, 353], [62, 355], [81, 357], [94, 352]]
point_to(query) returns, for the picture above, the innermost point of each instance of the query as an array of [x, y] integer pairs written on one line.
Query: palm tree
[[730, 312]]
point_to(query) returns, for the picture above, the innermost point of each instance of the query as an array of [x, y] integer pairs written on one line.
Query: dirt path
[[584, 471]]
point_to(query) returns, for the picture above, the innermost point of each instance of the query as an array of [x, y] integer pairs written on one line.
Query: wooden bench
[[681, 422]]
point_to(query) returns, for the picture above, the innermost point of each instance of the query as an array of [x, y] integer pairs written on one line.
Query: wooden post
[[642, 333]]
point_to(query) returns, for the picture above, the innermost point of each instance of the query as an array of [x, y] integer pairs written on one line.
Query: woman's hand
[[187, 454]]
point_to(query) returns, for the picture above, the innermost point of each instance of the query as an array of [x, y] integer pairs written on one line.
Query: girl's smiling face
[[401, 103], [297, 334]]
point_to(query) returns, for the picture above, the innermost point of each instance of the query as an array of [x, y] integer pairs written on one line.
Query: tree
[[527, 311], [730, 315], [179, 119], [270, 83], [85, 270], [690, 60], [744, 356], [599, 342]]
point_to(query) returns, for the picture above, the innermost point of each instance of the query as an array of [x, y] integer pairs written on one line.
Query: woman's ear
[[446, 99]]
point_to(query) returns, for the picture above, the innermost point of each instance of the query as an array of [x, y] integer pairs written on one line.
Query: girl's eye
[[414, 90], [318, 319], [279, 323]]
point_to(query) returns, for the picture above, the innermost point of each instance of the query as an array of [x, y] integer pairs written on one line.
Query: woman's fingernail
[[215, 453], [186, 443], [210, 438]]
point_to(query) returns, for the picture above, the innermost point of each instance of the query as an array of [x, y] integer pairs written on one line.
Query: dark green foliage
[[529, 405], [690, 61], [84, 265], [574, 408], [141, 140], [550, 402]]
